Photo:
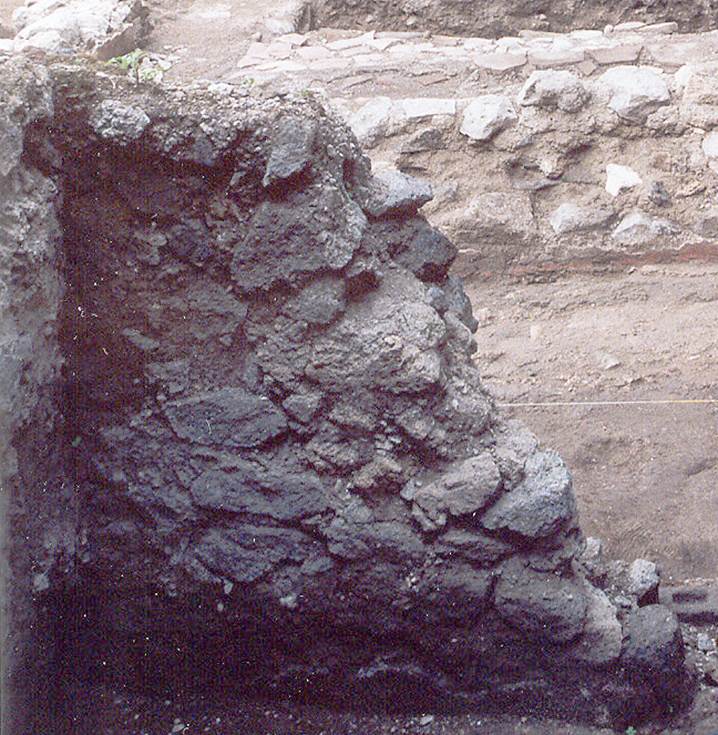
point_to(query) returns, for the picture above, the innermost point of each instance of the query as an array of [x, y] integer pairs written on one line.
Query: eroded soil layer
[[481, 18]]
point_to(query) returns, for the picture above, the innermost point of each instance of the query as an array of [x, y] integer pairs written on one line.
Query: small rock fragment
[[370, 122], [551, 89], [572, 217], [643, 581], [487, 115], [619, 178], [658, 194]]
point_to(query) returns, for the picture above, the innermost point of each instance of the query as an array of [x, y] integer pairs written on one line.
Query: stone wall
[[290, 477]]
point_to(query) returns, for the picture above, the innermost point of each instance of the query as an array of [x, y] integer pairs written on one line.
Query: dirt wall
[[37, 498], [467, 18]]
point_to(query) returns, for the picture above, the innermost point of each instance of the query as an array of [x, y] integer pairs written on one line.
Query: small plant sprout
[[141, 66]]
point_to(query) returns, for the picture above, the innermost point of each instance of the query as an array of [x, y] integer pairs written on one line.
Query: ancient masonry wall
[[543, 149], [286, 466]]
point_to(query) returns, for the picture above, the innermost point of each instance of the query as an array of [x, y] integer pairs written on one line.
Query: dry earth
[[646, 475], [115, 713]]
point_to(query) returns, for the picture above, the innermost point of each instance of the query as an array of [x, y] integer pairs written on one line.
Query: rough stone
[[282, 490], [486, 116], [500, 61], [273, 249], [572, 217], [540, 505], [291, 151], [464, 490], [638, 228], [635, 91], [699, 103], [602, 638], [474, 546], [424, 251], [621, 54], [654, 649], [710, 149], [514, 445], [553, 57], [550, 607], [119, 123], [554, 90], [318, 303], [230, 416], [393, 192], [419, 108]]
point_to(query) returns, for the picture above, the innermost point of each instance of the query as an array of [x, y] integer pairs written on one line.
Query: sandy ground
[[646, 475]]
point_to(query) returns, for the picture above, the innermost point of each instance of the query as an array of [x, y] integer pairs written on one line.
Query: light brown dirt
[[646, 476], [206, 38], [6, 8]]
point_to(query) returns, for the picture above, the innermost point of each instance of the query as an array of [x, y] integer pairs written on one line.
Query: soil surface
[[646, 474], [108, 711]]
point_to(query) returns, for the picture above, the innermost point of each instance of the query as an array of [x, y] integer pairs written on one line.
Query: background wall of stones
[[542, 148]]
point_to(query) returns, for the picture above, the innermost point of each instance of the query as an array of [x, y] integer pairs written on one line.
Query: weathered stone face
[[275, 429]]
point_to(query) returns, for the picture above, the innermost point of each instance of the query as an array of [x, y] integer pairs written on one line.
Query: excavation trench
[[246, 444]]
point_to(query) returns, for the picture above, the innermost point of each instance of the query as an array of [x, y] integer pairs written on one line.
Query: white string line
[[659, 402]]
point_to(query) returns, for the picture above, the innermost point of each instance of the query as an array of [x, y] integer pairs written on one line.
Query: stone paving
[[321, 53]]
